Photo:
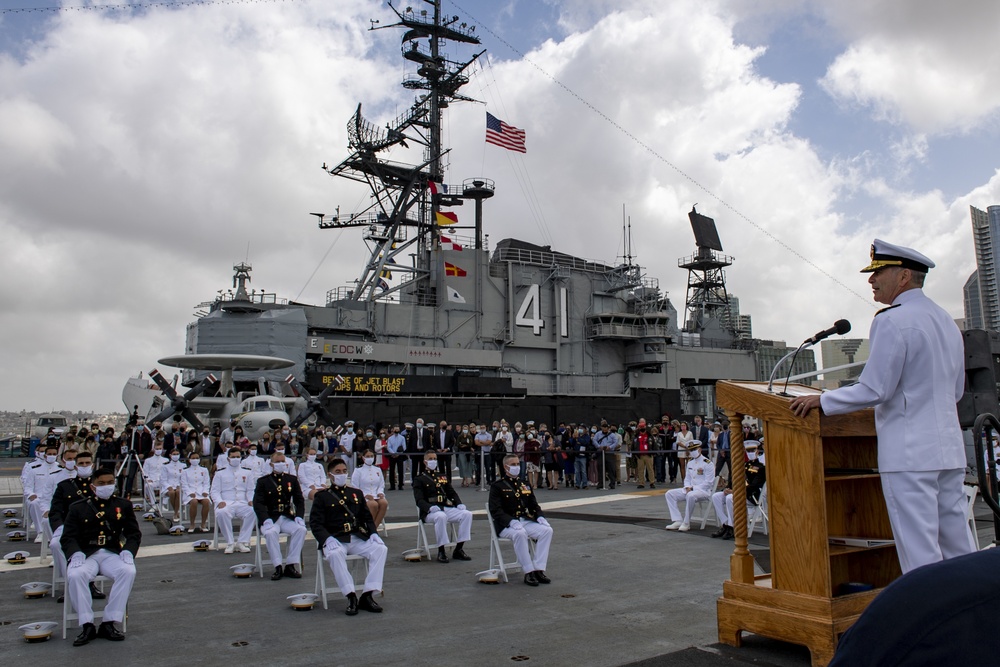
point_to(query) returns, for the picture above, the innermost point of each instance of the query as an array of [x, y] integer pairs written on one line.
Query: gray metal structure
[[463, 333]]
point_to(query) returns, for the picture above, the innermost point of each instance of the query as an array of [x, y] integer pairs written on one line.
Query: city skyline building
[[986, 238], [840, 352], [973, 303]]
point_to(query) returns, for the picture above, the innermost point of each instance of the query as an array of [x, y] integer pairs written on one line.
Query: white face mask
[[50, 458], [311, 458], [175, 457], [194, 462], [339, 480], [253, 452], [104, 492], [514, 471], [70, 464], [752, 456], [420, 424], [465, 431], [280, 467], [84, 471], [369, 434], [158, 452], [279, 451], [431, 465], [369, 461], [234, 462]]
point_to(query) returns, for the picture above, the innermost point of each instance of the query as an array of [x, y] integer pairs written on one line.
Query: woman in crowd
[[463, 443], [368, 479], [681, 438]]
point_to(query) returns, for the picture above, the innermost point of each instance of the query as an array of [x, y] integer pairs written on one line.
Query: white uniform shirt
[[194, 479], [700, 473], [37, 472], [914, 377], [50, 483], [311, 475], [170, 474], [152, 468], [347, 441], [255, 464], [368, 480], [233, 486]]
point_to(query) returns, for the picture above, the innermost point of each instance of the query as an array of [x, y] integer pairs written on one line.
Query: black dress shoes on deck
[[352, 604], [459, 554], [721, 532], [530, 579], [442, 556], [291, 572], [729, 533], [367, 602], [541, 578], [278, 574], [107, 630], [87, 634], [95, 593]]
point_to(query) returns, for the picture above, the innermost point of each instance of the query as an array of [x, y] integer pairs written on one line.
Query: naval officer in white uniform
[[914, 377], [698, 480]]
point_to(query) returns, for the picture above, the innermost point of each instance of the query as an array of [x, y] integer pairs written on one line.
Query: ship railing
[[626, 330], [544, 258], [705, 257]]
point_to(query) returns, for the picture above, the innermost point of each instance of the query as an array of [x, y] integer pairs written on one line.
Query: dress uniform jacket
[[700, 474], [755, 476], [510, 500], [94, 524], [914, 377], [339, 512], [276, 495], [433, 490], [67, 492]]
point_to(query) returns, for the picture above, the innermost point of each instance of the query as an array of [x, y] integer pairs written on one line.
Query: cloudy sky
[[144, 152]]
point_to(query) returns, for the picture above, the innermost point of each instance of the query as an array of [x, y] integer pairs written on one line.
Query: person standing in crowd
[[606, 441], [722, 444], [100, 536], [444, 443], [646, 441], [702, 433], [483, 452], [682, 437], [342, 525], [419, 442], [583, 448], [517, 517], [396, 445], [553, 460], [914, 377], [464, 448]]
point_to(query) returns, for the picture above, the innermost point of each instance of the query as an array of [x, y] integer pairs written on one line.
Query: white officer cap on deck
[[886, 254]]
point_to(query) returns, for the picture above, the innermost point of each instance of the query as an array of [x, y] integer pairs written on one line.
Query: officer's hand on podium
[[802, 405]]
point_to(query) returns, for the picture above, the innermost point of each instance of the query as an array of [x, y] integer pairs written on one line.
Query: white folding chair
[[704, 505], [970, 494], [422, 543], [358, 567], [757, 511], [497, 561], [69, 612]]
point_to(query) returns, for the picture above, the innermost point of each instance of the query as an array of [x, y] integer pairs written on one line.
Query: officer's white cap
[[886, 254]]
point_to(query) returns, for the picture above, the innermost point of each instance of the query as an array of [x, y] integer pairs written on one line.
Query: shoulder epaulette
[[897, 305]]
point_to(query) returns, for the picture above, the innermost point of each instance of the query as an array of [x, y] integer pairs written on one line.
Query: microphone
[[840, 327]]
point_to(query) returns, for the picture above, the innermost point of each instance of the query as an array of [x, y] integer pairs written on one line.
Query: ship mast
[[401, 219]]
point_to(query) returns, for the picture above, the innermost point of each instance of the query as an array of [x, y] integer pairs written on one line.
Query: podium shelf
[[838, 550], [841, 478]]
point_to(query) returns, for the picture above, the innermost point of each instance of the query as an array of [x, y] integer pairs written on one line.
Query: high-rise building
[[973, 303], [986, 236], [739, 323], [840, 352], [768, 352]]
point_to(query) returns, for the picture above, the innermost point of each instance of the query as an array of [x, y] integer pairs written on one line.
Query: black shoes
[[95, 593], [459, 554], [721, 532], [367, 602], [541, 578], [352, 604], [87, 634], [277, 574], [530, 579], [442, 556], [291, 572], [107, 630], [729, 533]]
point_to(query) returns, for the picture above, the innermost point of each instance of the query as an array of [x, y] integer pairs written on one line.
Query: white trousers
[[372, 550], [58, 557], [723, 504], [78, 585], [927, 512], [690, 499], [524, 530], [451, 515], [296, 538], [36, 509], [224, 517]]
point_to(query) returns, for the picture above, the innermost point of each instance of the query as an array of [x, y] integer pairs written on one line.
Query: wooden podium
[[821, 482]]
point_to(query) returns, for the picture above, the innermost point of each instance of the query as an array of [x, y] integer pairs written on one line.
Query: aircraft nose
[[276, 423]]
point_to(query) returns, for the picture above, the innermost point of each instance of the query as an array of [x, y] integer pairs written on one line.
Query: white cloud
[[151, 150]]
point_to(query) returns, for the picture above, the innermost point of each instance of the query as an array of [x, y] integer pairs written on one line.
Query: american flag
[[501, 134]]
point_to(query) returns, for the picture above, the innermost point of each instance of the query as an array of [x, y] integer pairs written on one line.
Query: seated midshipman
[[439, 504], [279, 506], [517, 517]]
